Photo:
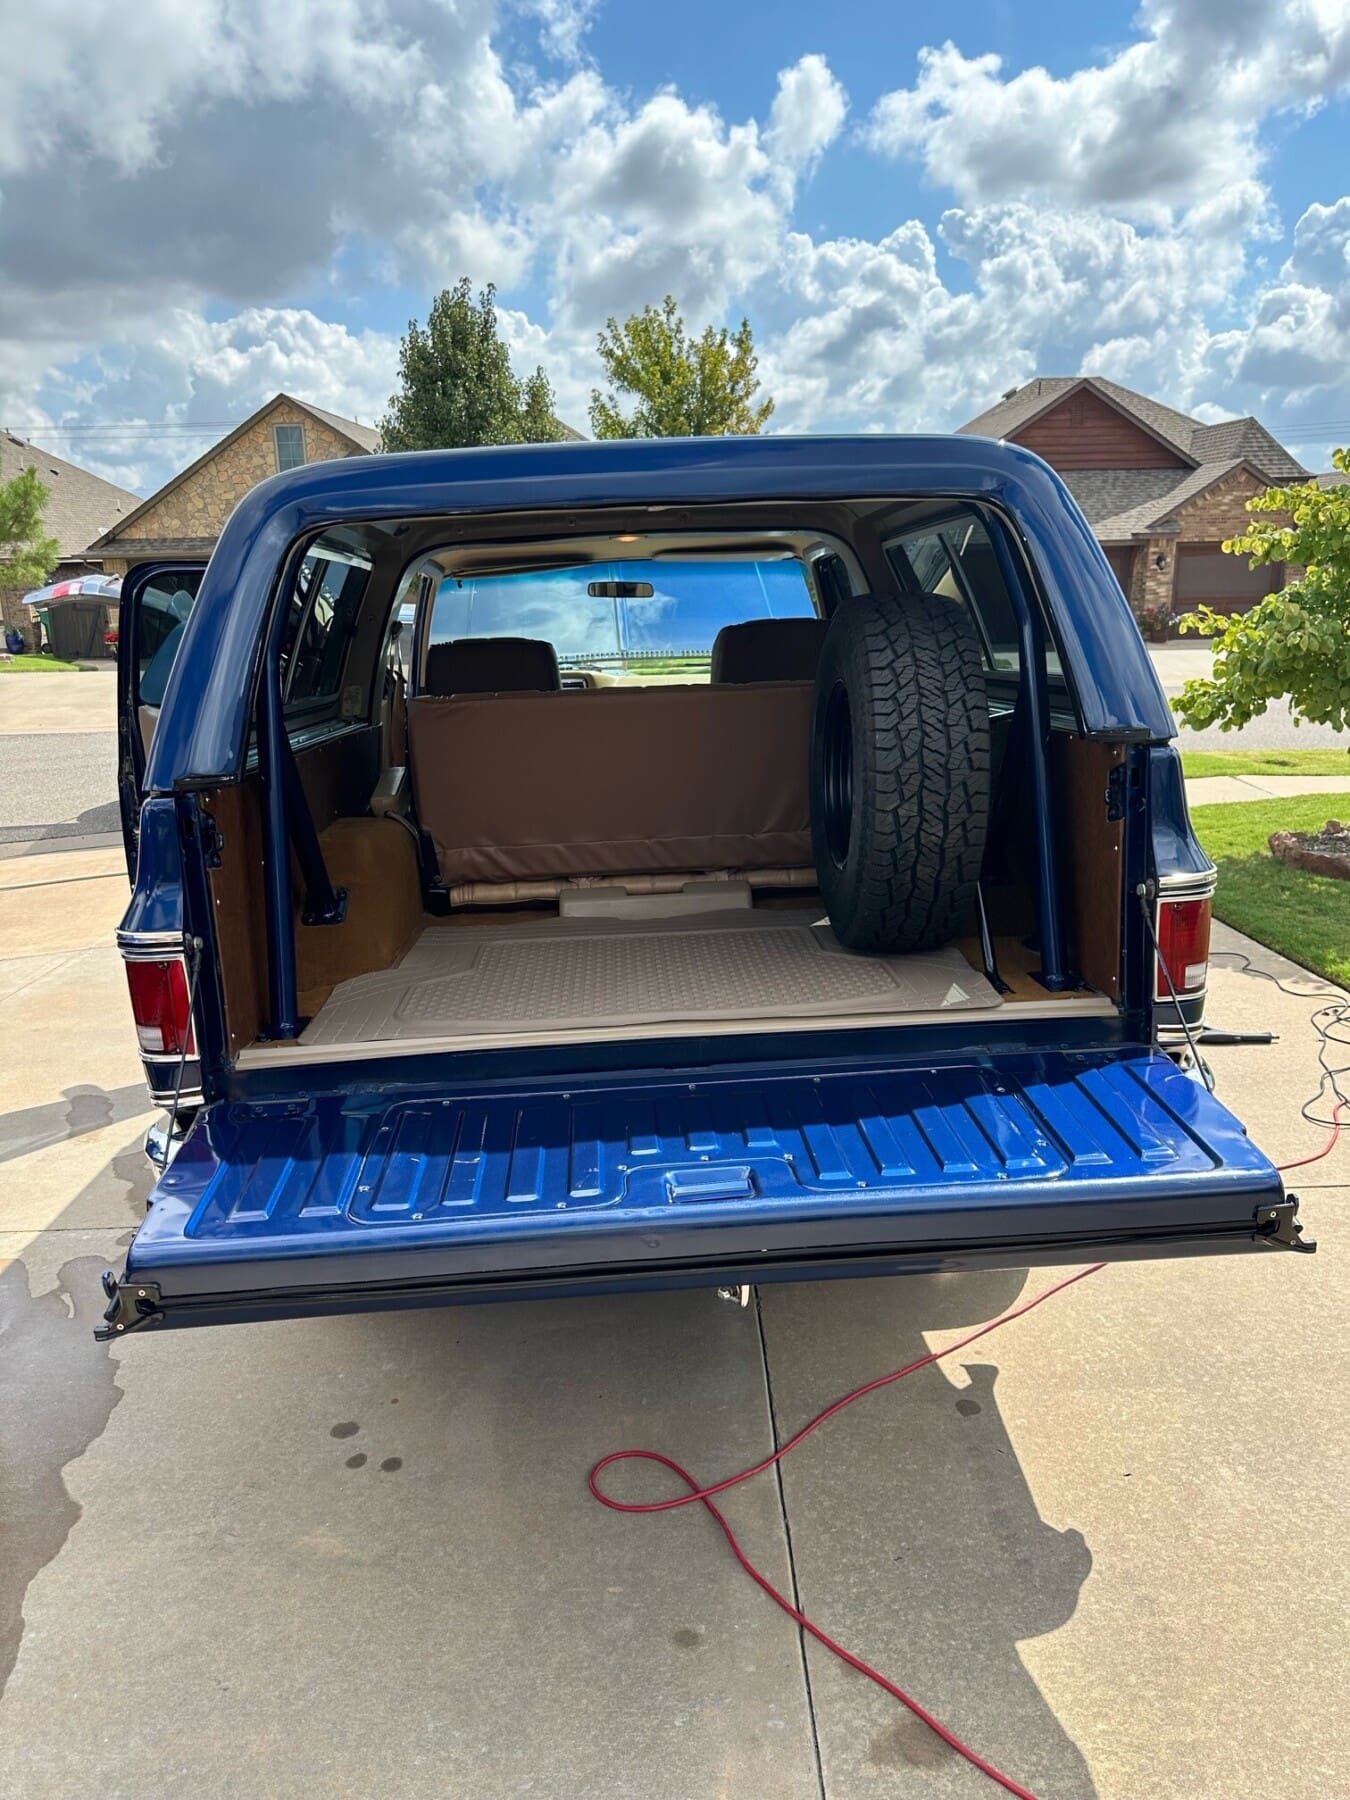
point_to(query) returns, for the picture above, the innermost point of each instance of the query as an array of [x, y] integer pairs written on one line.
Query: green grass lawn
[[1266, 762], [1305, 917], [34, 665]]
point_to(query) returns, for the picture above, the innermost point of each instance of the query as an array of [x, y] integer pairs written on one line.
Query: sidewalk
[[1207, 790]]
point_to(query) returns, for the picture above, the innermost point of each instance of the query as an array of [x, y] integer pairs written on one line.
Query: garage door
[[1207, 576]]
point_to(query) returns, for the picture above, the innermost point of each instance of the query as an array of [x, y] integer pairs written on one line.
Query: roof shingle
[[79, 505], [1204, 444]]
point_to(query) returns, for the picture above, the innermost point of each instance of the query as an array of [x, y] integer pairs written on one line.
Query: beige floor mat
[[587, 974]]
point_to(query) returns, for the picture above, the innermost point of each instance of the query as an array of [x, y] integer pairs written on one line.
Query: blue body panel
[[312, 1200], [202, 730], [157, 890]]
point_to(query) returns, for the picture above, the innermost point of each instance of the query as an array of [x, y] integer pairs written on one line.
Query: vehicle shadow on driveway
[[916, 1537], [82, 1109]]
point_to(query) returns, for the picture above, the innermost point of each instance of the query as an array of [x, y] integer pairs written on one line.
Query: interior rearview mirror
[[620, 590]]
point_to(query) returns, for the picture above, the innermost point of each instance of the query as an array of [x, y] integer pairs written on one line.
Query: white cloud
[[198, 372], [807, 115], [172, 177], [1322, 247], [1167, 121]]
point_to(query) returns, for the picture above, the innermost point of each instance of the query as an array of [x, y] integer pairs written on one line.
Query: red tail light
[[159, 1005], [1183, 939]]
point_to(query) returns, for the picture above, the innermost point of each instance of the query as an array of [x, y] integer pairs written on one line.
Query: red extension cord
[[704, 1496], [1338, 1125]]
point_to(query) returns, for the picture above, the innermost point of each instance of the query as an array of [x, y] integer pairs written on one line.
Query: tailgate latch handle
[[711, 1182]]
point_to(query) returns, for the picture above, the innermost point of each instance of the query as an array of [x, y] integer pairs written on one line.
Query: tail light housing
[[159, 1005], [1183, 945]]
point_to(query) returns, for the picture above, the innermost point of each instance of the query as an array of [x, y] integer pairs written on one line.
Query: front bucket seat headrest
[[768, 650], [492, 665]]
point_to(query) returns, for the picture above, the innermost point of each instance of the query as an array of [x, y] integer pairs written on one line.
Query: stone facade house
[[185, 517], [1160, 489], [79, 506]]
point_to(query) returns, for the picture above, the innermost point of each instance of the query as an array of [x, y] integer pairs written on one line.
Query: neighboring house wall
[[1083, 432], [1218, 513], [199, 506]]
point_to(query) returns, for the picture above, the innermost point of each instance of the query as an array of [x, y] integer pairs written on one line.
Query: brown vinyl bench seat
[[605, 782]]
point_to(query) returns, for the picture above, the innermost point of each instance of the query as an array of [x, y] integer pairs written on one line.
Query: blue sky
[[201, 205]]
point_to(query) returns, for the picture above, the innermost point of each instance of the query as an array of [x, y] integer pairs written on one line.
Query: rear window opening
[[572, 791]]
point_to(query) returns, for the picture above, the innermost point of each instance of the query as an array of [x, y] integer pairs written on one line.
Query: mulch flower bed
[[1324, 852]]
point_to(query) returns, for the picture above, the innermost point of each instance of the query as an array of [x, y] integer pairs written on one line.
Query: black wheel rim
[[836, 753]]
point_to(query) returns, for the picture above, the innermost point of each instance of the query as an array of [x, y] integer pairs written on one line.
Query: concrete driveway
[[357, 1556], [58, 752]]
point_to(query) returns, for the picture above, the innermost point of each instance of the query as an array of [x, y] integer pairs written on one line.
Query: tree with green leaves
[[27, 554], [683, 386], [457, 386], [1295, 645]]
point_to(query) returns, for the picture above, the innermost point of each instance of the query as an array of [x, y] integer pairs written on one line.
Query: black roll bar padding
[[273, 746], [1053, 973], [322, 902]]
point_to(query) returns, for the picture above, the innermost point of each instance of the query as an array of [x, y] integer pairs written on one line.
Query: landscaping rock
[[1325, 852]]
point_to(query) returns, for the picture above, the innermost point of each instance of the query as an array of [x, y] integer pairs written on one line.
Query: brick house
[[185, 516], [1160, 489], [79, 506]]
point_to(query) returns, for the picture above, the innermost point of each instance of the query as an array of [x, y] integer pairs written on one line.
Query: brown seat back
[[515, 787]]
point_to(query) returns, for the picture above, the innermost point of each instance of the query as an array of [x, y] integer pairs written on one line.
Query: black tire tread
[[913, 669]]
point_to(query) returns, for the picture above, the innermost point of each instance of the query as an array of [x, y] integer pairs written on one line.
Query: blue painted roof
[[203, 729]]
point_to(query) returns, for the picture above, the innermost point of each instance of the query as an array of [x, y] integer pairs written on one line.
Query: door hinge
[[130, 1306], [1280, 1225], [1117, 789], [212, 839]]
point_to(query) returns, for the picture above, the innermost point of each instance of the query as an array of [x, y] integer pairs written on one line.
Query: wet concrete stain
[[967, 1407], [686, 1637], [908, 1744], [391, 1463], [358, 1461], [345, 1428], [62, 1390], [134, 1168]]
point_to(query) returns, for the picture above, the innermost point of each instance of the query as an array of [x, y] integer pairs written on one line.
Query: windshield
[[628, 621]]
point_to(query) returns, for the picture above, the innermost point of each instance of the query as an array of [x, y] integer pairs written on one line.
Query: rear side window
[[325, 606], [955, 558], [161, 616]]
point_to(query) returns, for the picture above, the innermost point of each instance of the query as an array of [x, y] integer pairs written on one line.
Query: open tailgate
[[281, 1208]]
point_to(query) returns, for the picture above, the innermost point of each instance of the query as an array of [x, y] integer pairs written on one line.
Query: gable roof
[[79, 505], [1156, 516], [1247, 438], [1106, 495], [365, 437], [1244, 439], [364, 440]]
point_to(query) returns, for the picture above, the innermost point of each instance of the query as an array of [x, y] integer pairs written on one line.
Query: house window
[[290, 444]]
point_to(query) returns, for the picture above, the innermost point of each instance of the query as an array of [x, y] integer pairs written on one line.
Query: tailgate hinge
[[1280, 1225], [130, 1306]]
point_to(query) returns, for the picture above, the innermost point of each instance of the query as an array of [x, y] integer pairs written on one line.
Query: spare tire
[[899, 771]]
